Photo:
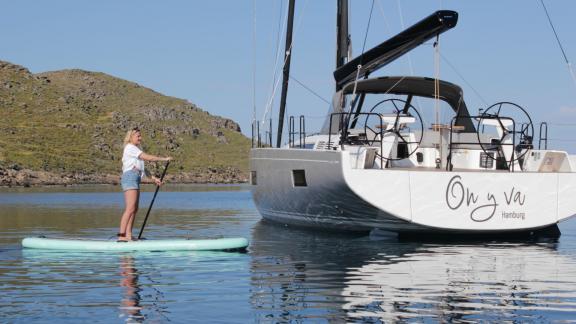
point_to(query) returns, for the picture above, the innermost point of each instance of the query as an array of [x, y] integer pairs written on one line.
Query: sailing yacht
[[376, 164]]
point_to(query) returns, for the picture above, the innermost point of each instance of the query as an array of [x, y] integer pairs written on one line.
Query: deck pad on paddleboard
[[80, 244]]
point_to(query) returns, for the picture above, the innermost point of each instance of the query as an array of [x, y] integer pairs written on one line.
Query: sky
[[221, 54]]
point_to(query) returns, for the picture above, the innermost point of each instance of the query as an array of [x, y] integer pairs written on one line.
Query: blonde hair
[[129, 135]]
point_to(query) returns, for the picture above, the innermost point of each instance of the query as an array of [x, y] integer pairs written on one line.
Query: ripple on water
[[466, 280], [135, 286], [289, 275], [303, 275]]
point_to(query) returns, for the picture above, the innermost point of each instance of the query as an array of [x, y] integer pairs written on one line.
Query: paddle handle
[[152, 202]]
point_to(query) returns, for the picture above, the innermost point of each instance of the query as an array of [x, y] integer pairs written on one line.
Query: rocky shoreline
[[17, 177], [66, 128]]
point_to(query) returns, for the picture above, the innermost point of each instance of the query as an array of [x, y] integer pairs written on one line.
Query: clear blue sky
[[203, 51]]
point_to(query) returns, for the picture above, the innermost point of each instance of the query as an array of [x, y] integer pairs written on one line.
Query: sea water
[[287, 275]]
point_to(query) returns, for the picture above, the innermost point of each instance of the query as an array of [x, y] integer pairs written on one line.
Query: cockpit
[[415, 122]]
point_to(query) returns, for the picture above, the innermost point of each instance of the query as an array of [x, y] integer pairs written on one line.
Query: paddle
[[153, 198]]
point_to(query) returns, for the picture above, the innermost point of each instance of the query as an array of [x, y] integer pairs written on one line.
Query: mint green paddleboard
[[223, 244]]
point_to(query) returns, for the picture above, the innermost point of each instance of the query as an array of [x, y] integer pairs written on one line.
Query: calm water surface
[[288, 275]]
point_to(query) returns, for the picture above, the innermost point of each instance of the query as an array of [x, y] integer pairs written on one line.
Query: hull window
[[487, 160], [419, 157], [299, 178], [402, 151]]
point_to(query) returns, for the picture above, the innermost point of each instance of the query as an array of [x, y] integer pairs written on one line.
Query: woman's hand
[[168, 158], [157, 181]]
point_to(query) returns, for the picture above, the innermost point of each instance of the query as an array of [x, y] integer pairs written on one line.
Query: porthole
[[299, 178]]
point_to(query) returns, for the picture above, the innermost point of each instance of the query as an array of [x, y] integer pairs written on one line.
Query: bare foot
[[122, 237]]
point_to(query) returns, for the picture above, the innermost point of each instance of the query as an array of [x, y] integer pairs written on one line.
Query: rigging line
[[312, 91], [253, 62], [381, 8], [289, 51], [353, 102], [387, 91], [562, 124], [561, 140], [367, 28], [554, 30], [401, 15], [273, 84], [463, 79], [559, 43], [437, 78], [271, 99], [281, 24], [275, 80], [315, 117], [395, 84], [410, 65]]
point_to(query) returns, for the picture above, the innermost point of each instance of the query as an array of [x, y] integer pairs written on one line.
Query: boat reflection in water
[[301, 275], [130, 304]]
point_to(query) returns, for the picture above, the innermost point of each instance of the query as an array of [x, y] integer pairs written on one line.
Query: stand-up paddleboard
[[79, 244], [223, 244]]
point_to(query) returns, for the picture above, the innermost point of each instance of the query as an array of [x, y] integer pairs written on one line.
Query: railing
[[301, 133], [257, 137], [345, 138], [452, 144], [543, 130], [269, 133]]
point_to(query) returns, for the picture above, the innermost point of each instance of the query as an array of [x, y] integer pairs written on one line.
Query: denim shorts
[[130, 180]]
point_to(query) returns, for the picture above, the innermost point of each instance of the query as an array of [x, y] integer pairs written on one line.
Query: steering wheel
[[521, 128], [399, 108]]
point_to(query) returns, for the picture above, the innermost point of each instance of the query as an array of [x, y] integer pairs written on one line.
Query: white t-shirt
[[131, 159]]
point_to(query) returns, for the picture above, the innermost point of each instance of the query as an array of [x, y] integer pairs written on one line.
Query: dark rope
[[463, 79], [367, 29], [312, 91], [555, 34]]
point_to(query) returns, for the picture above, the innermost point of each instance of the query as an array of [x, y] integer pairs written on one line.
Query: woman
[[132, 172]]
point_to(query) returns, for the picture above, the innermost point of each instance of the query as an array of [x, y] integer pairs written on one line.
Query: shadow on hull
[[549, 234]]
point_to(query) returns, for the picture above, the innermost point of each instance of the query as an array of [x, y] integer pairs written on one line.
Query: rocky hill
[[67, 127]]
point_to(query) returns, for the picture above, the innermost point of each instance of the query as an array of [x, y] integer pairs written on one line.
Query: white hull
[[383, 160], [341, 197]]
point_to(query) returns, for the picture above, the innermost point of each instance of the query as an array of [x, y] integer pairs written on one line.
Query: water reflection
[[73, 287], [104, 285], [130, 304], [288, 275], [495, 281], [299, 275]]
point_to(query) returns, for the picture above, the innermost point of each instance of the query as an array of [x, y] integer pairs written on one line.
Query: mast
[[287, 56], [342, 36]]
